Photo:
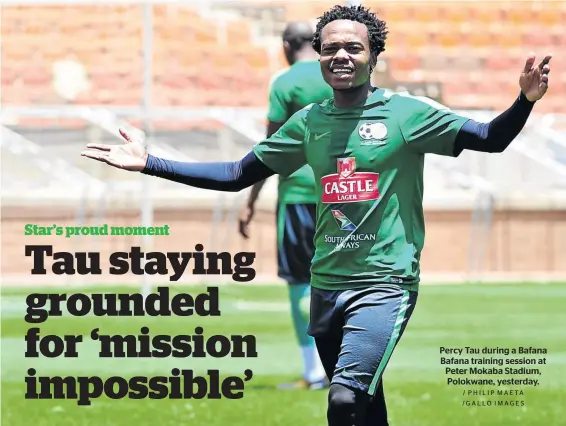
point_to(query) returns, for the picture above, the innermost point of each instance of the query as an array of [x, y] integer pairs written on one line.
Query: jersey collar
[[377, 96]]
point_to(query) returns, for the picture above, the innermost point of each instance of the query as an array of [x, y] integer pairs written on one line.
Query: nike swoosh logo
[[317, 137]]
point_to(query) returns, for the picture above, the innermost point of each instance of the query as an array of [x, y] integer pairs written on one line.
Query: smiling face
[[345, 55]]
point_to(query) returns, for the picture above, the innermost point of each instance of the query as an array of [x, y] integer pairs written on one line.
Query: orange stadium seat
[[555, 42], [200, 32], [505, 38], [392, 13], [160, 96], [254, 58], [398, 33], [547, 16], [433, 62], [499, 63], [485, 13], [466, 63], [222, 61], [405, 63], [105, 80], [455, 12], [306, 9], [518, 14], [12, 50], [238, 32], [177, 81], [431, 13], [478, 39], [448, 39], [8, 76], [543, 43], [16, 94], [472, 99], [36, 76], [454, 87], [166, 33], [175, 13], [414, 40], [124, 97]]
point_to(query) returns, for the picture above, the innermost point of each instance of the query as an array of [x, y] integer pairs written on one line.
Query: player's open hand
[[534, 80], [130, 156]]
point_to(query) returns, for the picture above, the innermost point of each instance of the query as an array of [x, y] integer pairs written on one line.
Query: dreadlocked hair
[[377, 29]]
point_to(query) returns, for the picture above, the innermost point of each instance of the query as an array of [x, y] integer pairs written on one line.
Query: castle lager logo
[[349, 186], [346, 167]]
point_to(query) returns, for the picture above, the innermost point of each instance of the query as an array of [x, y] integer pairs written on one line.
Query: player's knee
[[341, 401], [345, 404]]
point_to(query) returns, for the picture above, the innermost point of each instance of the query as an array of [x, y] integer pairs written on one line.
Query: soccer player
[[298, 86], [367, 151]]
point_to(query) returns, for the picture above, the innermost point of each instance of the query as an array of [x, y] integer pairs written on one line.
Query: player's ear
[[289, 54]]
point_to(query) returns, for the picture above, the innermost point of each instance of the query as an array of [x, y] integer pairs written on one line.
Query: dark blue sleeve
[[496, 135], [219, 176]]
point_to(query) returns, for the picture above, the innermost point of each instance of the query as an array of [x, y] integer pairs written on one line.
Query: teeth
[[341, 70]]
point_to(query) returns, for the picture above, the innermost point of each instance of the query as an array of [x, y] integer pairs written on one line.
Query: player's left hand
[[246, 216], [130, 156], [534, 80]]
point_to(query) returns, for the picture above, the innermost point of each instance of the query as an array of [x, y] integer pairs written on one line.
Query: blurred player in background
[[367, 149], [291, 90]]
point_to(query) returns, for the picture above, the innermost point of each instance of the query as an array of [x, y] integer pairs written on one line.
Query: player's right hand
[[131, 156], [244, 222]]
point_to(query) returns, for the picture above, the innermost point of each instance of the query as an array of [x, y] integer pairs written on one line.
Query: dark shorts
[[357, 331], [295, 241]]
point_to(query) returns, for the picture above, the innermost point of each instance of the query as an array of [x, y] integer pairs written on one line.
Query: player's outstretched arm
[[219, 176], [496, 135]]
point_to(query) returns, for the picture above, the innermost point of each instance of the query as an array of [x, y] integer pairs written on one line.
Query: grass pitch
[[504, 316]]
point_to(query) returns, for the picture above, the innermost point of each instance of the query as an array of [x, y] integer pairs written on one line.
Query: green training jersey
[[368, 163], [291, 90]]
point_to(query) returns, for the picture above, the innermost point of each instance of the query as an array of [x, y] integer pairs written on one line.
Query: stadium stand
[[438, 42]]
